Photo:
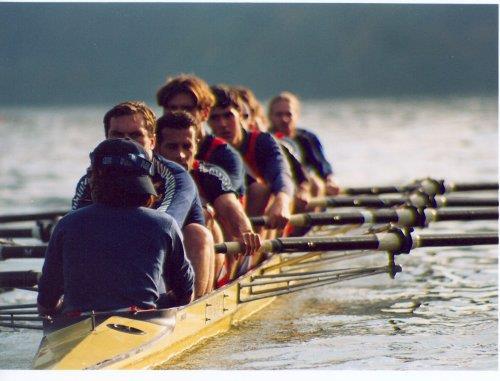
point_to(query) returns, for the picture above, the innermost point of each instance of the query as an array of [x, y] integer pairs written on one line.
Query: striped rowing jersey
[[178, 195], [211, 180], [215, 150]]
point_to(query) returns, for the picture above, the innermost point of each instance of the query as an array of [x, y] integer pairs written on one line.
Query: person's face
[[284, 118], [246, 117], [179, 145], [133, 127], [226, 124]]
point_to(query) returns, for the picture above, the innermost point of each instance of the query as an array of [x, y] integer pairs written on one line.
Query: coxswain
[[178, 195], [192, 94], [117, 252], [176, 134], [283, 113], [270, 186]]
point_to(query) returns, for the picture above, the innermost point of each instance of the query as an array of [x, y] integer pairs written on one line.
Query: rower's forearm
[[232, 217]]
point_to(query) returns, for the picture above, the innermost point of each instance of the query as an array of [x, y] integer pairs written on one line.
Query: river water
[[440, 313]]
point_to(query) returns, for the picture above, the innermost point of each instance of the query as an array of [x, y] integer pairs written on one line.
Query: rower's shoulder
[[302, 132], [222, 145], [160, 162]]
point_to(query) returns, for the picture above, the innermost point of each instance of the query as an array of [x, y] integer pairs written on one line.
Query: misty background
[[88, 54]]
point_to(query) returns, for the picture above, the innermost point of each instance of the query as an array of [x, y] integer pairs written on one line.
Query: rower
[[118, 252], [270, 186], [252, 120], [177, 192], [283, 113], [176, 141], [253, 113], [192, 94]]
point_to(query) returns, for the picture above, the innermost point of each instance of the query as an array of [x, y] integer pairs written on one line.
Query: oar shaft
[[36, 251], [428, 185], [396, 241], [406, 216], [417, 199], [19, 278], [32, 216], [466, 187], [18, 233], [423, 240]]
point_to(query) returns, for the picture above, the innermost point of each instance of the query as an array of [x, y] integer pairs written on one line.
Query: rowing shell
[[148, 338], [144, 339]]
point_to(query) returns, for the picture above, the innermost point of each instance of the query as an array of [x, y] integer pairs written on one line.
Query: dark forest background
[[106, 52]]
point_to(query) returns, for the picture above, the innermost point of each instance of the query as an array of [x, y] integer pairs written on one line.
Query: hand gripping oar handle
[[395, 241], [19, 278]]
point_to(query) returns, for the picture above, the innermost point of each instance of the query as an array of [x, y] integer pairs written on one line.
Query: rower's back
[[116, 253]]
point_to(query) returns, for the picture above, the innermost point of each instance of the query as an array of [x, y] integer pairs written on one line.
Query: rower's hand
[[278, 213], [251, 242], [302, 197], [331, 186]]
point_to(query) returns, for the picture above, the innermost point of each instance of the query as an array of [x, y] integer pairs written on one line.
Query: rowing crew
[[159, 193]]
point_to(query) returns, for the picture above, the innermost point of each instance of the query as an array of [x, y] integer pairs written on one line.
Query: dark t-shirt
[[212, 181], [313, 156], [178, 195], [102, 258], [225, 157], [270, 162]]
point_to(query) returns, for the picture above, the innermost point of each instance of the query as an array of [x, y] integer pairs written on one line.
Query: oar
[[41, 231], [52, 215], [417, 198], [395, 241], [14, 251], [19, 278], [427, 185], [406, 216]]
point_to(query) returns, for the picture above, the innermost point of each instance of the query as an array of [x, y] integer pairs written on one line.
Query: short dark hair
[[226, 96], [131, 108], [179, 120]]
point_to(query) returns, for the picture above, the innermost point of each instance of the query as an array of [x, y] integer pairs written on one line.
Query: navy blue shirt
[[178, 195], [212, 181], [102, 257], [313, 156], [225, 157], [270, 161]]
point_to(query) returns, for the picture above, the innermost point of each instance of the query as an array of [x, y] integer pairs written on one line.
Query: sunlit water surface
[[440, 313]]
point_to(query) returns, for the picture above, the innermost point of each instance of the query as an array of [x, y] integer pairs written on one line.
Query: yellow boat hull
[[148, 339]]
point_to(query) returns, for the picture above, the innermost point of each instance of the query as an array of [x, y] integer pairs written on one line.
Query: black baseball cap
[[132, 169]]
